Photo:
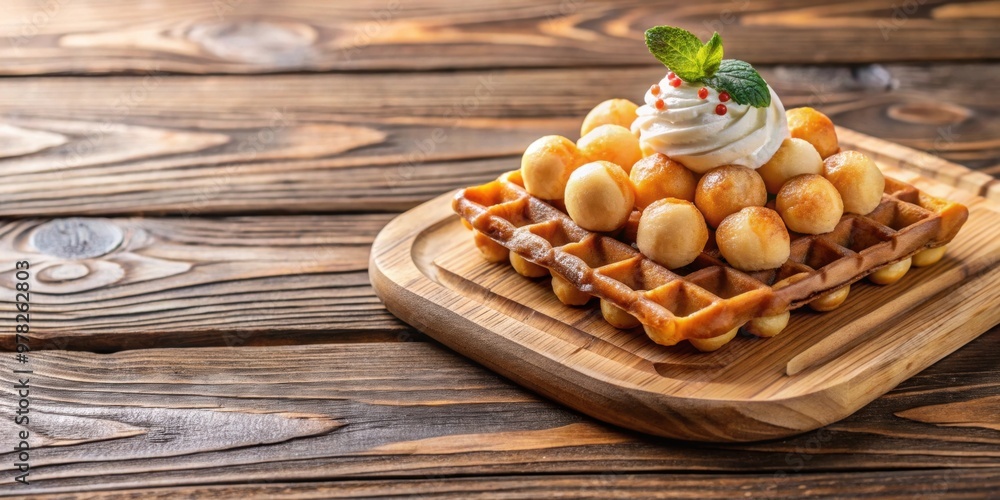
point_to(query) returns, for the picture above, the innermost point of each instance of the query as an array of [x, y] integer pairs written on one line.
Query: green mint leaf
[[710, 55], [742, 82], [678, 49]]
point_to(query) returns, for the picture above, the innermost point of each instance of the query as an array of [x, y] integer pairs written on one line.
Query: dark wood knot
[[77, 238], [256, 41], [928, 113]]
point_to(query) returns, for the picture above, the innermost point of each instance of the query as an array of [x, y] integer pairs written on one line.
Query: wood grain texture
[[271, 280], [174, 281], [252, 36], [937, 483], [982, 412], [387, 418], [418, 411], [297, 143]]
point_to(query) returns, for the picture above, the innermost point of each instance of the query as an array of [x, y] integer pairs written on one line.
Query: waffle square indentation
[[681, 298], [596, 250], [638, 273]]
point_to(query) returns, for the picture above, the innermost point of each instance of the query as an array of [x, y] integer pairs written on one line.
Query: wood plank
[[311, 143], [271, 280], [176, 282], [138, 419], [940, 483], [252, 36]]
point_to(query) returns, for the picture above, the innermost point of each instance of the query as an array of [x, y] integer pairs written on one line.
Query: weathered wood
[[394, 418], [251, 36], [270, 279], [937, 483], [154, 418], [180, 282], [198, 146], [76, 238]]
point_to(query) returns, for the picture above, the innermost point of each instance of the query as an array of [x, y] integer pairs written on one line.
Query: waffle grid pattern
[[707, 298]]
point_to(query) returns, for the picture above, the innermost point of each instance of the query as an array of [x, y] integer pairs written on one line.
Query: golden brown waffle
[[708, 297]]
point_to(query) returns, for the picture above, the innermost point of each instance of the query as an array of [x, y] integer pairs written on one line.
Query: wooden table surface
[[207, 327]]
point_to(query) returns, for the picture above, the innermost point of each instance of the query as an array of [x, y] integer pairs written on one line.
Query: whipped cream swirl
[[689, 130]]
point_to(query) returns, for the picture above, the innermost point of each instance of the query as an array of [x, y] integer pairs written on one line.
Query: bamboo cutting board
[[822, 368]]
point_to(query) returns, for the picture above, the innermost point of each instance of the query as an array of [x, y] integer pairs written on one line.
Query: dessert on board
[[708, 209]]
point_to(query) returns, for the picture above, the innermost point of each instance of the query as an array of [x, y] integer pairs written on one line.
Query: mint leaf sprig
[[697, 62], [742, 82]]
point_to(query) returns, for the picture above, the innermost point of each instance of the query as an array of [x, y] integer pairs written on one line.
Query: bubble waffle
[[707, 298]]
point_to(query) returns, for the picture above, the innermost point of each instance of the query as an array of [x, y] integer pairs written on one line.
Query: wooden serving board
[[426, 269]]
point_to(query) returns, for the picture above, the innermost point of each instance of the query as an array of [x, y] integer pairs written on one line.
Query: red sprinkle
[[675, 82], [724, 97], [655, 89], [703, 93], [660, 104], [671, 75], [721, 109]]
